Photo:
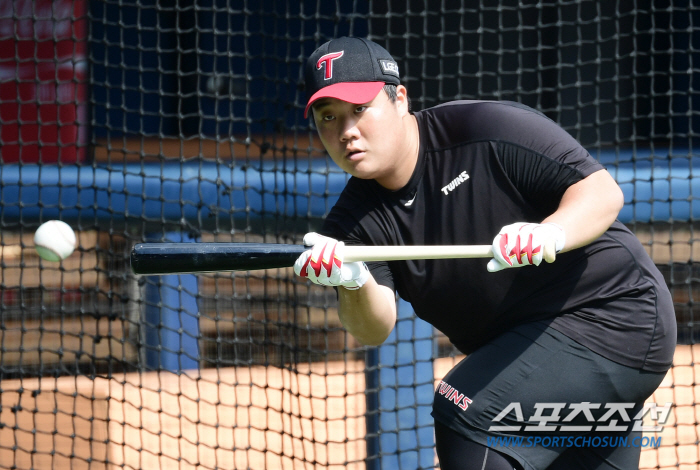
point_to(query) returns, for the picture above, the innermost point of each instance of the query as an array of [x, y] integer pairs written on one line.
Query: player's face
[[365, 140]]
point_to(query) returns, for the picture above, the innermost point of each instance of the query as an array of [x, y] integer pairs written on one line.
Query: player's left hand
[[523, 244], [323, 264]]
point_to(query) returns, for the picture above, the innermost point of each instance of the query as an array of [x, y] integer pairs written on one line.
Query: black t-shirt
[[483, 165]]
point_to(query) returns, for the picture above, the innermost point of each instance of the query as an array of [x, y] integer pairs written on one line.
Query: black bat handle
[[175, 258]]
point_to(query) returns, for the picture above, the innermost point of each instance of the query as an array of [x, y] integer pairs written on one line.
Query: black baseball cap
[[349, 69]]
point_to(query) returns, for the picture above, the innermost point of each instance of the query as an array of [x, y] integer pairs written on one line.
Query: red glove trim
[[318, 265], [504, 245]]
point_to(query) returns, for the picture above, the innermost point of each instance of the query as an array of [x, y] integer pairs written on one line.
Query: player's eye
[[360, 109], [328, 117]]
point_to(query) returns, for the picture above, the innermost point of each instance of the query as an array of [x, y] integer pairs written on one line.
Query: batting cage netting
[[182, 120]]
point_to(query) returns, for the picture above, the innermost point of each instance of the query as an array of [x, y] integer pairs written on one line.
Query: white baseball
[[54, 240]]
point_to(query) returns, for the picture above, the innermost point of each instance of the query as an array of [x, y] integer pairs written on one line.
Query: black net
[[182, 120]]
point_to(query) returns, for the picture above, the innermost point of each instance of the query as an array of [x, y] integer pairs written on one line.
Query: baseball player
[[560, 356]]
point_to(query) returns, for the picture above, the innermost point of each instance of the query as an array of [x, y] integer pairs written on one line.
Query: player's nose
[[349, 130]]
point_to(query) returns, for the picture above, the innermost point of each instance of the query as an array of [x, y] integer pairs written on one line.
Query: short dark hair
[[390, 91]]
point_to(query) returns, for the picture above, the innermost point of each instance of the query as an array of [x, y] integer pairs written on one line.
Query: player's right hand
[[323, 264]]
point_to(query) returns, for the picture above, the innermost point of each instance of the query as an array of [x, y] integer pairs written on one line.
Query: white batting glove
[[323, 264], [523, 244]]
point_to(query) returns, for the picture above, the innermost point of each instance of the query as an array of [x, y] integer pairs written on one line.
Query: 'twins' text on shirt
[[461, 178]]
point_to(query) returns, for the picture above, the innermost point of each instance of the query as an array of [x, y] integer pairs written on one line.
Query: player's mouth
[[354, 154]]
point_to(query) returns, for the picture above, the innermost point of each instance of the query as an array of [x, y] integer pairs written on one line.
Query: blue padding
[[406, 389], [171, 319], [196, 191], [664, 191], [658, 186]]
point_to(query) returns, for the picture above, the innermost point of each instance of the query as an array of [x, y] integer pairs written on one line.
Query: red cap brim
[[352, 92]]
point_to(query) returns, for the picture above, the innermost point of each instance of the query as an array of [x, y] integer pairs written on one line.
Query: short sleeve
[[345, 223], [542, 179]]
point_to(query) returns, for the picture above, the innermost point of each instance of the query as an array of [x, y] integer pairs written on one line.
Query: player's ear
[[402, 99]]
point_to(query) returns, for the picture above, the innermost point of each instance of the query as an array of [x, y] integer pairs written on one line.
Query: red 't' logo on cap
[[328, 61]]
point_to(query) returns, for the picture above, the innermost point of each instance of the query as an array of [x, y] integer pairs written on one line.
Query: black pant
[[456, 452], [535, 369]]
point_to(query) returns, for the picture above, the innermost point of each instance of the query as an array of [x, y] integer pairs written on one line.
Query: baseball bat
[[181, 258]]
